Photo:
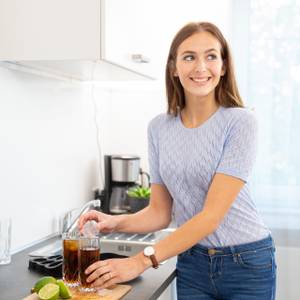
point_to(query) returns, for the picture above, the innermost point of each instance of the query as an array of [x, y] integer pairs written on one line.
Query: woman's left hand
[[105, 273]]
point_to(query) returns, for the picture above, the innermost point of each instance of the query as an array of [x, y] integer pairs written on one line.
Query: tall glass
[[89, 252], [70, 259]]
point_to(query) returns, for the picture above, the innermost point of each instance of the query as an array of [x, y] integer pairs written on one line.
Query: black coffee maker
[[121, 172]]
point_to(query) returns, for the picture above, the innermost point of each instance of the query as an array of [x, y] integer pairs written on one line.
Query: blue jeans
[[242, 272]]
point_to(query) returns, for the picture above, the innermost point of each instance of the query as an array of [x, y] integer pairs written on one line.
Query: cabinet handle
[[140, 58]]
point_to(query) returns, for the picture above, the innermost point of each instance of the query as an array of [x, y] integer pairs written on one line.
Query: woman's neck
[[197, 111]]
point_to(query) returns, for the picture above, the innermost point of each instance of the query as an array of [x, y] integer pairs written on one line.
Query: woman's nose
[[200, 65]]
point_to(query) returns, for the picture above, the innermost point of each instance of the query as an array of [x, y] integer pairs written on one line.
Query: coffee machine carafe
[[121, 173]]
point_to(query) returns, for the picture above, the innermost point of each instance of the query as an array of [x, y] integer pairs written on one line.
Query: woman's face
[[199, 64]]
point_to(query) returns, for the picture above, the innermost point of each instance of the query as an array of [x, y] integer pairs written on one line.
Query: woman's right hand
[[105, 223]]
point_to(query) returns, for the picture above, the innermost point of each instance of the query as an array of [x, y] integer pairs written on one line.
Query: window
[[266, 46]]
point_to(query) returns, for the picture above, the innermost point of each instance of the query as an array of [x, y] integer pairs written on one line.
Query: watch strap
[[154, 261]]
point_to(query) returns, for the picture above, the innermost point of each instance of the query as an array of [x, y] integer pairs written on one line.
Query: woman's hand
[[105, 223], [105, 273]]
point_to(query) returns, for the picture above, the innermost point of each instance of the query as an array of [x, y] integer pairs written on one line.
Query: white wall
[[47, 152], [124, 115], [48, 143]]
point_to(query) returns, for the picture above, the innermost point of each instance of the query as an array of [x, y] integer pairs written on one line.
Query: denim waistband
[[230, 250]]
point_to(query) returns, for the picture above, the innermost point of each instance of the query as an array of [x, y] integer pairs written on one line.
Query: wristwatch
[[150, 252]]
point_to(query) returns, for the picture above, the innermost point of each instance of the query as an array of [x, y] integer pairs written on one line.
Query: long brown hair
[[226, 92]]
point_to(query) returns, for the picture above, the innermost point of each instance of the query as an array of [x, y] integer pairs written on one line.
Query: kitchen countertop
[[16, 279]]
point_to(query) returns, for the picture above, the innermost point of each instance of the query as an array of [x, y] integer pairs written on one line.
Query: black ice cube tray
[[52, 265]]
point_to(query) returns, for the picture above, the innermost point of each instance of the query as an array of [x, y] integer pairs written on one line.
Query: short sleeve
[[240, 147], [153, 153]]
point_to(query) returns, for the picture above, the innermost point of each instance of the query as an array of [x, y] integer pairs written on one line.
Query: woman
[[201, 154]]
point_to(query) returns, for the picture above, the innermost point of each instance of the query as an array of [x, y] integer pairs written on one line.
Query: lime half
[[64, 291], [49, 292], [42, 282]]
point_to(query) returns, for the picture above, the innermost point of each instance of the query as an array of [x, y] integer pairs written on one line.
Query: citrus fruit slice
[[64, 291], [50, 291], [42, 282]]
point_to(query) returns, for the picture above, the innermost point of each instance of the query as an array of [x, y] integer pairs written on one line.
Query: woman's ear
[[223, 71], [172, 68]]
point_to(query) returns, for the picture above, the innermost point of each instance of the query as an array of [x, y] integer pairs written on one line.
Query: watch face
[[149, 251]]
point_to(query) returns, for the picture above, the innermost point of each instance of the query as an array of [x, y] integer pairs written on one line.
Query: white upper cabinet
[[49, 29], [137, 34], [129, 36], [99, 39]]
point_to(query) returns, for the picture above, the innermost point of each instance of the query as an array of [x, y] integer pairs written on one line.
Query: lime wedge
[[64, 291], [49, 292], [42, 282]]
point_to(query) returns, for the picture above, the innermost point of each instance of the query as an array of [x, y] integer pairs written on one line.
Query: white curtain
[[267, 56]]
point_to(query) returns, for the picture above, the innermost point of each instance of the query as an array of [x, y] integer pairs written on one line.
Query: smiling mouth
[[202, 80]]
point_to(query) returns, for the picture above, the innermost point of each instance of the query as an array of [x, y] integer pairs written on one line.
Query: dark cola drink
[[70, 262], [87, 256]]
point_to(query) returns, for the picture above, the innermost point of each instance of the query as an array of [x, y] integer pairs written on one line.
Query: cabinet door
[[128, 34], [49, 30], [136, 34]]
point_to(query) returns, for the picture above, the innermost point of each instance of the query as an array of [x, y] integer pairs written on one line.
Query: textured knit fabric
[[186, 159]]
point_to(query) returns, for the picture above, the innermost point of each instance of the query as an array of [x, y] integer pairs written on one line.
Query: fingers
[[101, 271], [105, 273], [91, 215], [106, 280], [105, 223], [97, 265], [101, 274]]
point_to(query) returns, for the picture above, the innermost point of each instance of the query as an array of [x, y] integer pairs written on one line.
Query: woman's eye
[[212, 57], [188, 57]]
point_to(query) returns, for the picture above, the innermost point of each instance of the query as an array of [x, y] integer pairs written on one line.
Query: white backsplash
[[49, 156], [47, 152]]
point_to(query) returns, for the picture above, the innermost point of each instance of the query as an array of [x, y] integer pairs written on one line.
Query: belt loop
[[234, 255]]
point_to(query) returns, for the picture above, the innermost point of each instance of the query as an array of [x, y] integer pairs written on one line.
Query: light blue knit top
[[186, 159]]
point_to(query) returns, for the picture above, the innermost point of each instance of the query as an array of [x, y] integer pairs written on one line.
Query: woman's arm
[[155, 216], [222, 192]]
